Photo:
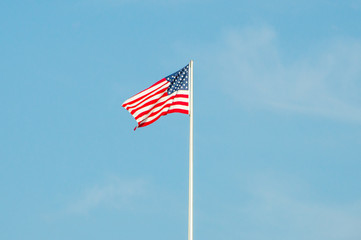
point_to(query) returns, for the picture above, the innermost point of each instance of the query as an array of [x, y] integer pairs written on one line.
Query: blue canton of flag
[[178, 80]]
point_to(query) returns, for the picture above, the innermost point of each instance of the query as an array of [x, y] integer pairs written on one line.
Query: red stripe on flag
[[158, 111], [161, 109], [157, 104], [149, 103], [144, 96], [163, 114]]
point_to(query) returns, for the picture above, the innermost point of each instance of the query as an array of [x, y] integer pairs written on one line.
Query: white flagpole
[[190, 194]]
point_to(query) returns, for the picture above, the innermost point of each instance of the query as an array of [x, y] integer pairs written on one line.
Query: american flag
[[168, 95]]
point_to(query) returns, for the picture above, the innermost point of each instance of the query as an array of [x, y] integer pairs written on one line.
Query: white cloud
[[271, 205], [114, 193], [131, 2], [281, 212], [136, 196], [324, 80]]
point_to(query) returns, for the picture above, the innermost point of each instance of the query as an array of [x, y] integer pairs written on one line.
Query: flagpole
[[190, 193]]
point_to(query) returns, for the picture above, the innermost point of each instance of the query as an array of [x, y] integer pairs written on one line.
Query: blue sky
[[277, 120]]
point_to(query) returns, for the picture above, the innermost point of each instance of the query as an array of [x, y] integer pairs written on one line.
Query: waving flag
[[168, 95]]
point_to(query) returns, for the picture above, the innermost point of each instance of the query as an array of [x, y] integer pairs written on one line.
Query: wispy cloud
[[257, 72], [114, 193], [285, 215], [132, 2], [276, 206], [122, 195]]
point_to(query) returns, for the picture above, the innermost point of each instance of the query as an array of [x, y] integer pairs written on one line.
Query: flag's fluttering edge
[[168, 95]]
